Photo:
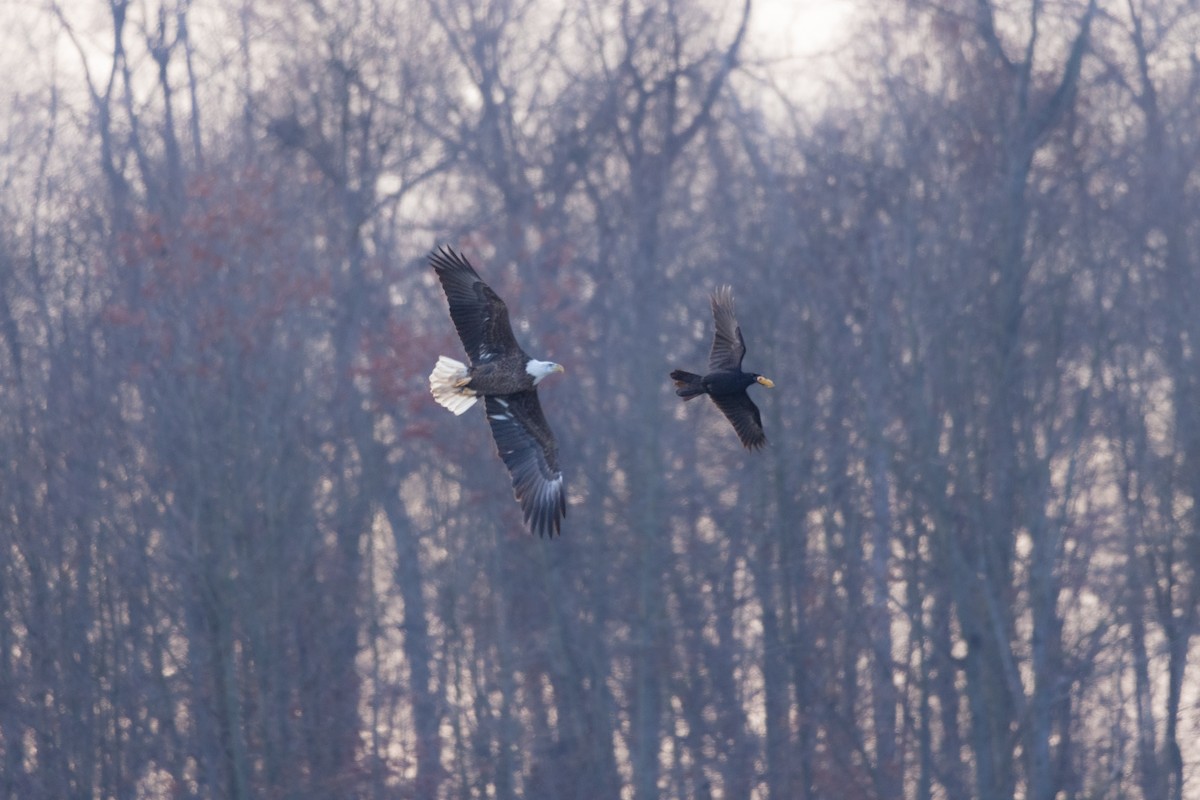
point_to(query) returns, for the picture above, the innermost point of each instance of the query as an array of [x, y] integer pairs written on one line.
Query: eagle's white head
[[540, 369]]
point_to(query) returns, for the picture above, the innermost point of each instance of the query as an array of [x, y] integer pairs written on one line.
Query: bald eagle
[[725, 382], [506, 378]]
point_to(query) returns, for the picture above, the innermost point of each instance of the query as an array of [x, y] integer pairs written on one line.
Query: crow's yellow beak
[[767, 382]]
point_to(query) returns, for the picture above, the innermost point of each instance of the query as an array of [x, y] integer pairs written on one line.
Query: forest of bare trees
[[244, 554]]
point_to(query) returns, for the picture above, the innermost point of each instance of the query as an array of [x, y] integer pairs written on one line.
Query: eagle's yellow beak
[[767, 382]]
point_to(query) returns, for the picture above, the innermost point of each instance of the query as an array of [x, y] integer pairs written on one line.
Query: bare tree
[[245, 554]]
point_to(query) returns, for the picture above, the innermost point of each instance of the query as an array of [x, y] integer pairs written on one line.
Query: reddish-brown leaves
[[235, 274]]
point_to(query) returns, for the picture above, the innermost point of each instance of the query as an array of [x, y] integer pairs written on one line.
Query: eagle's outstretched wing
[[728, 347], [527, 446], [479, 315]]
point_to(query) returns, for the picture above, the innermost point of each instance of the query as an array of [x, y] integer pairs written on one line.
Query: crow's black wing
[[728, 347], [742, 412]]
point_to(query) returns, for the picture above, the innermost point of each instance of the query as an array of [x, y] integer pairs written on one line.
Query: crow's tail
[[687, 384]]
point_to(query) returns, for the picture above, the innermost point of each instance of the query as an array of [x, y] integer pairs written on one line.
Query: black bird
[[506, 378], [725, 382]]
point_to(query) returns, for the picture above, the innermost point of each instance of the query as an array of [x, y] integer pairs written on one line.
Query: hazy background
[[244, 554]]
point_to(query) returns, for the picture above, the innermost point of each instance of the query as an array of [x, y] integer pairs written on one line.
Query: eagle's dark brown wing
[[728, 347], [742, 412], [479, 315], [527, 446]]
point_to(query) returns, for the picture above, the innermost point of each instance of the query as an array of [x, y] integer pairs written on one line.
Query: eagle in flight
[[506, 378]]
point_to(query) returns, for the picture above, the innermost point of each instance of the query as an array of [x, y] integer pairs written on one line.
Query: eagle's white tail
[[448, 382]]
